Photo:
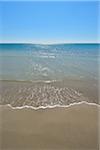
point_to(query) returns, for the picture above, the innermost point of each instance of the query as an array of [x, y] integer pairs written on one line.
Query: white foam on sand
[[49, 106]]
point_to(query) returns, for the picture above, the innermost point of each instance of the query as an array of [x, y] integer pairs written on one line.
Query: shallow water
[[48, 62], [45, 69]]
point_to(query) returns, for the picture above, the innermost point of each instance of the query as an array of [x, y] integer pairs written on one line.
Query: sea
[[43, 63], [34, 62]]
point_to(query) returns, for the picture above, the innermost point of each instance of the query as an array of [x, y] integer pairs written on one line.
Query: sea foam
[[50, 107]]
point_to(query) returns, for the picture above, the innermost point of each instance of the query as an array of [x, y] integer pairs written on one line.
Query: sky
[[49, 22]]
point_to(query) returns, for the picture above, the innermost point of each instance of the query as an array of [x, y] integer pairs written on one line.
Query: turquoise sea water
[[34, 62]]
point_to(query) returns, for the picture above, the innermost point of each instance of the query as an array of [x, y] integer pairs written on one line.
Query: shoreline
[[49, 107], [49, 94]]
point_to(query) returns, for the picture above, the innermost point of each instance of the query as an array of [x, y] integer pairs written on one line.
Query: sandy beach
[[71, 128], [49, 75]]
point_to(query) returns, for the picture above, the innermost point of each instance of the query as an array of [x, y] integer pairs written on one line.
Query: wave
[[40, 95], [47, 56], [50, 107], [32, 81]]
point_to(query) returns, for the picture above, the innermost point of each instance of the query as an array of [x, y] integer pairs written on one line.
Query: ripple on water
[[41, 95]]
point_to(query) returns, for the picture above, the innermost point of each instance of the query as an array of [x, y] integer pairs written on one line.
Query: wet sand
[[65, 92], [71, 128]]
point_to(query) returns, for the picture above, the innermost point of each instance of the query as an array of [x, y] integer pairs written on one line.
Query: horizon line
[[53, 43]]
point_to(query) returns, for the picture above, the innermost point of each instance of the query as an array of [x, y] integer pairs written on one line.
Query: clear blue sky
[[48, 22]]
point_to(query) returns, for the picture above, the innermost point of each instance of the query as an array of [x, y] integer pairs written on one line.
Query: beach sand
[[70, 128]]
